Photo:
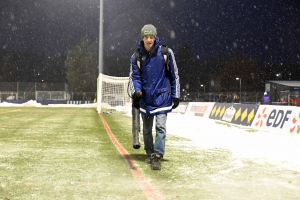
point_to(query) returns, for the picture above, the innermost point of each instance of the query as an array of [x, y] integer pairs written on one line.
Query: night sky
[[265, 30]]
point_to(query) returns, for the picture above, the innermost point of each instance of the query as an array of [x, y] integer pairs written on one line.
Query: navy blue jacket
[[157, 84]]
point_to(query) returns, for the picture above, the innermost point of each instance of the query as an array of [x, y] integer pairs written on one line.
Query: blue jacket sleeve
[[134, 76]]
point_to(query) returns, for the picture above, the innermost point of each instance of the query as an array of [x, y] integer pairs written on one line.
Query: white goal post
[[112, 94]]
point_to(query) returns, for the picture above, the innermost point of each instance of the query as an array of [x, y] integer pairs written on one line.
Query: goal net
[[112, 94]]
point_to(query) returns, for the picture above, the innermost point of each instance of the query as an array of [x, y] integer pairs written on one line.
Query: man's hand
[[175, 103], [137, 96]]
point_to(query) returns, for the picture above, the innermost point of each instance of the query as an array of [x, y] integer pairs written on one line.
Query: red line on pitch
[[145, 185]]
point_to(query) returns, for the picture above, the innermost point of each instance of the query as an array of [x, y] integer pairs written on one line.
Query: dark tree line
[[79, 69]]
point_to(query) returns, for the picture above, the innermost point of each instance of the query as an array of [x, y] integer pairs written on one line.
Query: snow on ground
[[33, 103], [275, 148], [261, 146], [30, 103]]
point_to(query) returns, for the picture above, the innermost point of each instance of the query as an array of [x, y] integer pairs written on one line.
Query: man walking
[[155, 88]]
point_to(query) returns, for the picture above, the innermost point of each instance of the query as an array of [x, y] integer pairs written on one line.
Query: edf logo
[[277, 118]]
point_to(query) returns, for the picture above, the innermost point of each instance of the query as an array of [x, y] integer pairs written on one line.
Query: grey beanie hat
[[148, 29]]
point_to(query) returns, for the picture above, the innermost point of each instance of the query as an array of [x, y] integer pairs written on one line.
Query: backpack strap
[[164, 51], [138, 56]]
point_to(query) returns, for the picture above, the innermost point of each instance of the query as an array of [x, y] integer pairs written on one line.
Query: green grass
[[60, 153], [65, 153]]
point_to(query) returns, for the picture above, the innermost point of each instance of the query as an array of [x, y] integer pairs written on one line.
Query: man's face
[[148, 42]]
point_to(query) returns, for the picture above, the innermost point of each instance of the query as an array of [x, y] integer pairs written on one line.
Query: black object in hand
[[175, 103], [136, 104]]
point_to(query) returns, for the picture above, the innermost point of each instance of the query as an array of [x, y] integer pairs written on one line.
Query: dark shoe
[[156, 165], [148, 160]]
